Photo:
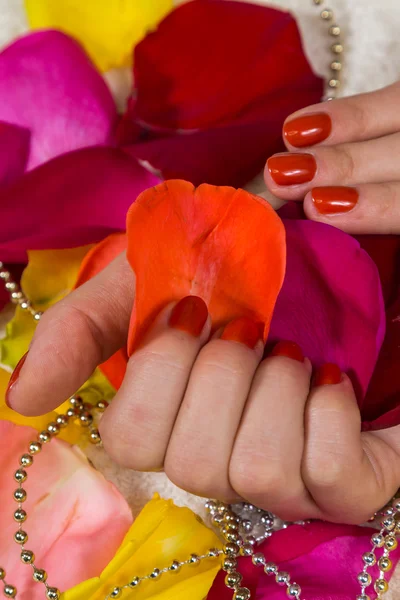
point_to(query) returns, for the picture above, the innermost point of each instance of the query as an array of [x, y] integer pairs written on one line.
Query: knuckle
[[149, 362], [345, 163], [361, 117], [199, 477], [227, 364], [324, 471], [258, 480]]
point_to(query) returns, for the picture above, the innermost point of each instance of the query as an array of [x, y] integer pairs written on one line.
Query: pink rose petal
[[49, 86], [75, 199], [76, 519]]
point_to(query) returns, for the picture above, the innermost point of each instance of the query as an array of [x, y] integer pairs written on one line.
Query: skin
[[217, 418]]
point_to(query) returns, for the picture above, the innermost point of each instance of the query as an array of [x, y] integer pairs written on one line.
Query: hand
[[221, 422], [344, 162]]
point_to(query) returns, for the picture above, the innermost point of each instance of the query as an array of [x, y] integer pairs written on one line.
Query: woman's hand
[[221, 421], [344, 161]]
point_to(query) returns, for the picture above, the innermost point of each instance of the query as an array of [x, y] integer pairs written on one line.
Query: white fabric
[[372, 47]]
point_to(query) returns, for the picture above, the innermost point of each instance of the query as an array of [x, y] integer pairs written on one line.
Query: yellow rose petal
[[108, 29], [161, 534]]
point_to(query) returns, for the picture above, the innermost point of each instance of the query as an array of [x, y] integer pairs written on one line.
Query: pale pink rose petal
[[76, 519]]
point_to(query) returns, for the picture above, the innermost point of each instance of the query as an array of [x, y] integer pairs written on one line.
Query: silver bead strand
[[336, 48]]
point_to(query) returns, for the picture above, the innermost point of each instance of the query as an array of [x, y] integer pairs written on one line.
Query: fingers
[[137, 426], [265, 467], [202, 440], [349, 475], [372, 208], [72, 338], [353, 119], [291, 175]]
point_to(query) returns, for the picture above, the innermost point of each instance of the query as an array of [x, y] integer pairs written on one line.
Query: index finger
[[356, 118], [73, 338]]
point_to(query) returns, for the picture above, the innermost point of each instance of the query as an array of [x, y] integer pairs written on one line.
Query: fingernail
[[190, 315], [14, 379], [328, 374], [334, 200], [288, 349], [307, 130], [292, 168], [243, 330]]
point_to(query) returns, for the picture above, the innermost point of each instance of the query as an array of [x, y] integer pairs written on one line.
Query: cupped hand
[[343, 160], [221, 420]]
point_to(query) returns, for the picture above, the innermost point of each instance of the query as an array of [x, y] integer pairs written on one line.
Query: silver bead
[[135, 582], [85, 419], [44, 437], [20, 537], [369, 559], [231, 549], [249, 507], [258, 559], [174, 567], [217, 519], [26, 460], [229, 564], [318, 2], [71, 413], [2, 574], [231, 536], [39, 575], [282, 578], [267, 521], [37, 315], [52, 593], [20, 475], [334, 30], [327, 14], [336, 65], [246, 549], [35, 447], [194, 560], [5, 275], [246, 525], [396, 504], [11, 286], [101, 407], [294, 590], [16, 297], [27, 557], [250, 539], [213, 553], [364, 579], [242, 594], [389, 523], [378, 540], [232, 580], [20, 495], [337, 48], [155, 574], [25, 304], [334, 83], [363, 597], [10, 591], [271, 568], [391, 543], [62, 421], [116, 593], [94, 436], [210, 505], [53, 428]]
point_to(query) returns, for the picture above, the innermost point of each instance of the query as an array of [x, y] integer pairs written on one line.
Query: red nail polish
[[334, 200], [291, 168], [288, 349], [190, 315], [243, 330], [328, 374], [14, 378], [307, 130]]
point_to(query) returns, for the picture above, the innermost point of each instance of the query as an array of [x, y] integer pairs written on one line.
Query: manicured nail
[[14, 379], [292, 168], [288, 349], [334, 200], [243, 330], [190, 315], [307, 130], [328, 374]]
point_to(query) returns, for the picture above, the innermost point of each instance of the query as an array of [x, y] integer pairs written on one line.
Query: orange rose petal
[[224, 245]]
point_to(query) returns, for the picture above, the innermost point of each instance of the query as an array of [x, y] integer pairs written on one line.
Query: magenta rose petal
[[49, 86], [331, 301], [14, 152], [74, 199]]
